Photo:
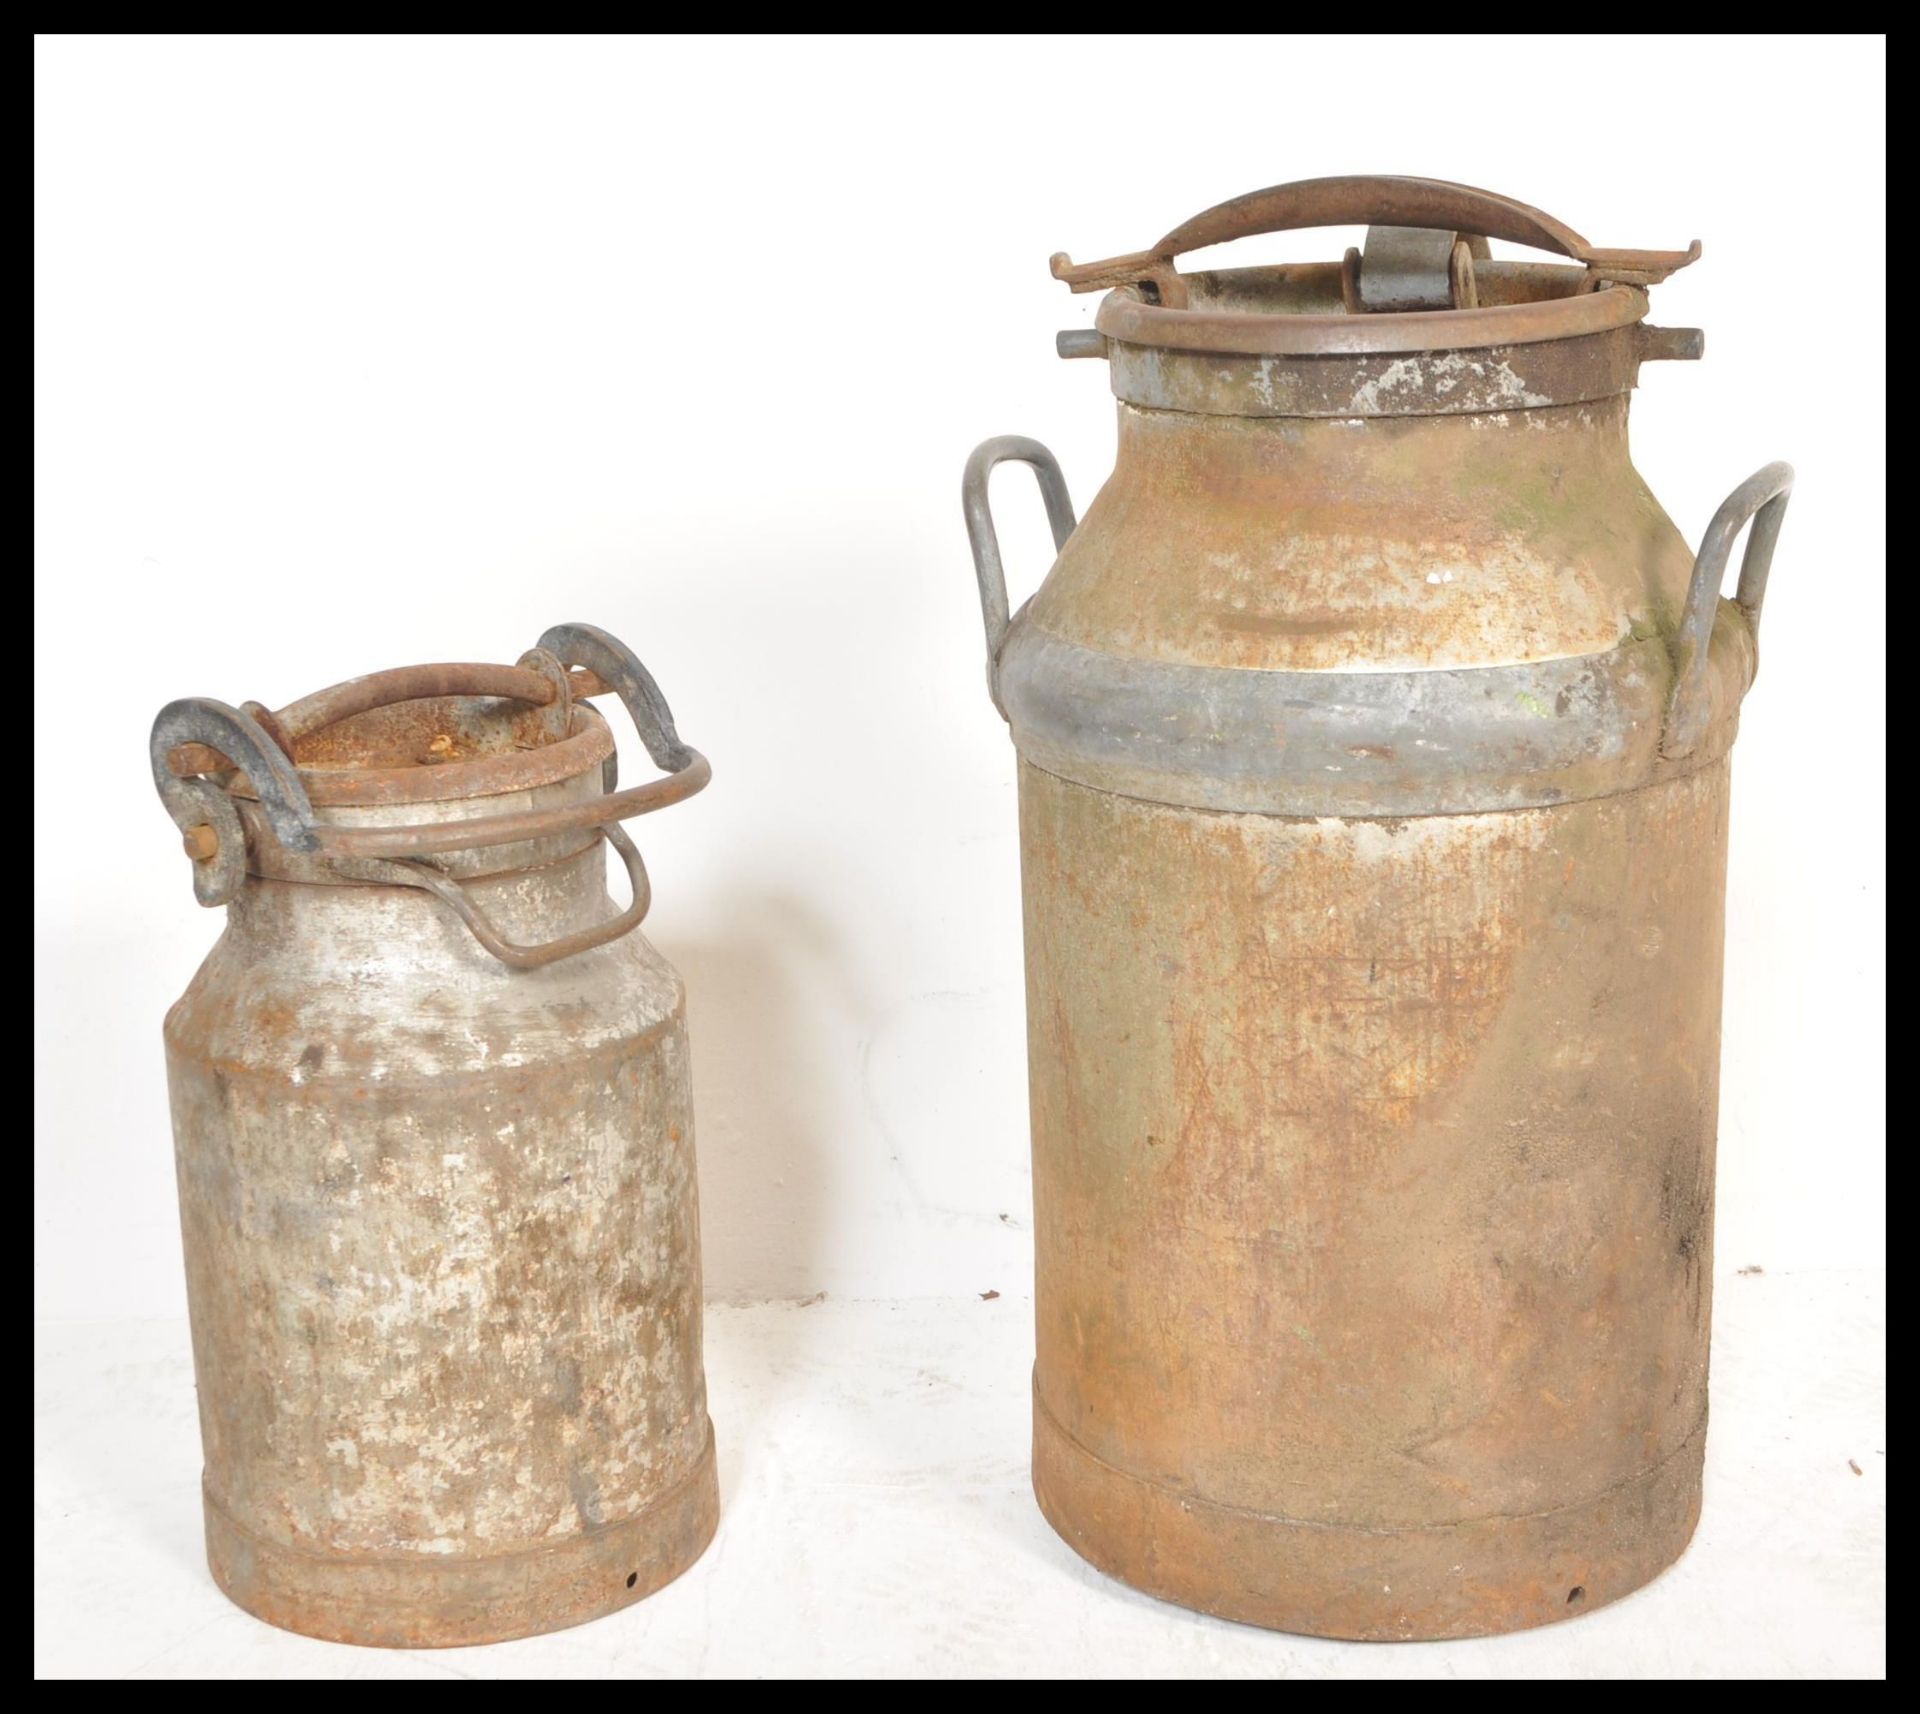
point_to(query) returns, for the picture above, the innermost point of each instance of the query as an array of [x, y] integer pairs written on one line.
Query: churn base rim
[[1479, 1578], [420, 1602]]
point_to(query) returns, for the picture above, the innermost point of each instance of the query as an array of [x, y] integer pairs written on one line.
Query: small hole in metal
[[1576, 1593], [633, 1577]]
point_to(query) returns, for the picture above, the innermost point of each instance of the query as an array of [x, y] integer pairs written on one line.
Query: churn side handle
[[987, 568], [1763, 499], [619, 668], [202, 809]]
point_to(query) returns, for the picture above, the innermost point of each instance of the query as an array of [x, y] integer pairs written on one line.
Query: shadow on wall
[[763, 1023]]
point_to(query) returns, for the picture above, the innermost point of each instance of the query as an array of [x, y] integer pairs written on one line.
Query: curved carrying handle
[[1763, 499], [1366, 200], [450, 893], [985, 540]]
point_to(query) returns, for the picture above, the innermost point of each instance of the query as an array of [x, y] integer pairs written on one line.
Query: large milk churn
[[1373, 730], [435, 1145]]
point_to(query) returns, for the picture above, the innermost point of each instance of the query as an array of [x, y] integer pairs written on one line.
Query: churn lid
[[327, 788], [1424, 281]]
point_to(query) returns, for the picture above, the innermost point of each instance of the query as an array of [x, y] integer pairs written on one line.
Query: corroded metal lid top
[[1424, 282], [434, 734], [1327, 333]]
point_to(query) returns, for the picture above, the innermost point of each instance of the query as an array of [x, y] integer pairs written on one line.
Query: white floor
[[876, 1521]]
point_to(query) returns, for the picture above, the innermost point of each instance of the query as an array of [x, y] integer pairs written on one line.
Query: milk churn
[[435, 1146], [1373, 731]]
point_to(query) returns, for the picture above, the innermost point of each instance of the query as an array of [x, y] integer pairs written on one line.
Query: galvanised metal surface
[[435, 1145], [1374, 727]]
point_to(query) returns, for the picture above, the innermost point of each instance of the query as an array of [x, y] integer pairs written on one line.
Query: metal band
[[1358, 744], [1419, 383]]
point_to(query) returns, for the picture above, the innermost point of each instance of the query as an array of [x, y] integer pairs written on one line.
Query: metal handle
[[414, 873], [975, 503], [1364, 200], [619, 668], [199, 736], [220, 863], [1762, 498]]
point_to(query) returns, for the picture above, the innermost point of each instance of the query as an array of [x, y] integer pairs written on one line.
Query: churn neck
[[1422, 320]]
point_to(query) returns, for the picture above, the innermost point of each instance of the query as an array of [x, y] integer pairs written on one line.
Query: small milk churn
[[1373, 732], [435, 1143]]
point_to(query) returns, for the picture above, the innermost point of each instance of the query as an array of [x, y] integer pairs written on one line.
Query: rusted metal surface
[[1372, 1197], [1375, 736], [200, 843], [1313, 309], [324, 709], [313, 715], [435, 1146], [427, 742]]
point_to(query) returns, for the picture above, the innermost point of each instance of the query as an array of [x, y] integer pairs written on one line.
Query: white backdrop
[[354, 353]]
